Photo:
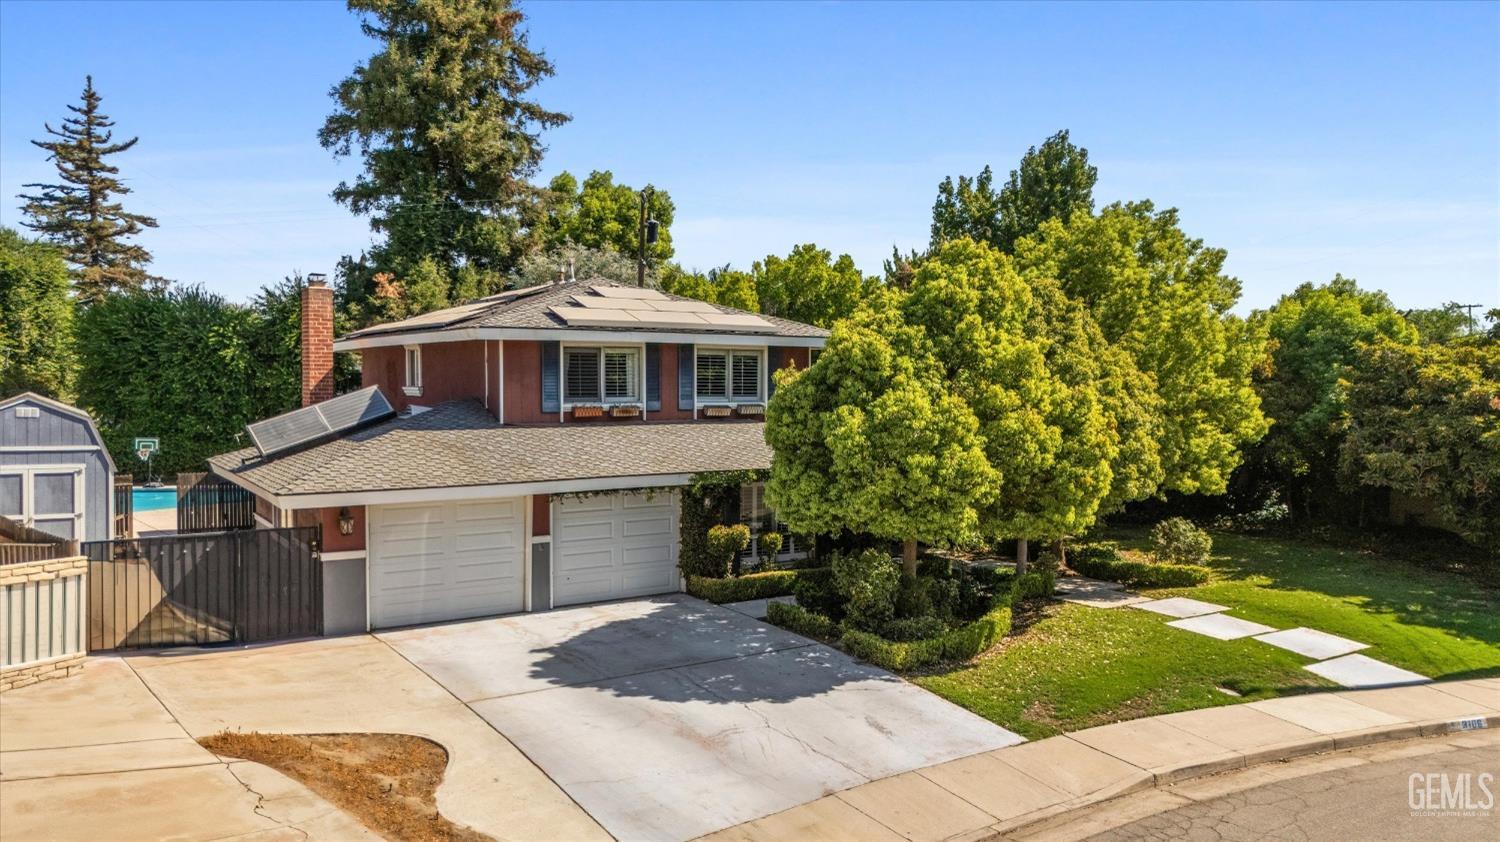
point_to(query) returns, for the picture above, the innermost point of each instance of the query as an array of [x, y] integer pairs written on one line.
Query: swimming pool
[[153, 499]]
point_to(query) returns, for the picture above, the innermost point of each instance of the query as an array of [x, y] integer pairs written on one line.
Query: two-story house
[[517, 453]]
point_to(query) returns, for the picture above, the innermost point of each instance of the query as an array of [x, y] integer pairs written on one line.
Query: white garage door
[[445, 561], [614, 545]]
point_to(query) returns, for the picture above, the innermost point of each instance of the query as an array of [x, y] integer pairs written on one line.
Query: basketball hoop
[[144, 454]]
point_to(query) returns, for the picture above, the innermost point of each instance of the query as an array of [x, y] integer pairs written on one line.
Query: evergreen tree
[[449, 140], [80, 213], [36, 319]]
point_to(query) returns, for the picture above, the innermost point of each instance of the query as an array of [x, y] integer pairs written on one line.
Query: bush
[[770, 545], [724, 546], [868, 583], [1178, 541], [960, 644], [795, 618], [1033, 585], [751, 586], [1102, 560], [913, 628], [815, 592]]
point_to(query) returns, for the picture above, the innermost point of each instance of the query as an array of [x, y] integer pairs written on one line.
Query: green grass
[[1077, 667]]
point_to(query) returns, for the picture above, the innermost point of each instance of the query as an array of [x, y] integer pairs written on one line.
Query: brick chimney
[[317, 341]]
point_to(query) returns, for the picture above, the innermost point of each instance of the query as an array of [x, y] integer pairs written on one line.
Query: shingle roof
[[460, 444], [531, 308]]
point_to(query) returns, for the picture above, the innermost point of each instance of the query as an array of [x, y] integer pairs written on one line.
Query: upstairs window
[[601, 375], [729, 375], [413, 384]]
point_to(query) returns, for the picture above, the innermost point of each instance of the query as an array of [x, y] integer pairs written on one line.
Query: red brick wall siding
[[317, 344], [450, 371], [328, 518], [541, 514]]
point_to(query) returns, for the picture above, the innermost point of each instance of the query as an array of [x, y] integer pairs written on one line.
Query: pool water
[[153, 499]]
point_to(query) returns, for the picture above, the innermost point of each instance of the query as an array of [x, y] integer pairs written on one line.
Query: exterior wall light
[[346, 521]]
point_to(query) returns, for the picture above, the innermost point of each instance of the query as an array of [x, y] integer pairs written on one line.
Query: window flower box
[[751, 409], [717, 411], [588, 411], [624, 411]]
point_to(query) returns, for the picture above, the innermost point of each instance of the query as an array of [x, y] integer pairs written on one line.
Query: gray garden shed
[[55, 473]]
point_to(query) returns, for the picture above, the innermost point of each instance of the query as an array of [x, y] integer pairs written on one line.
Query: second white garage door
[[445, 561], [612, 546]]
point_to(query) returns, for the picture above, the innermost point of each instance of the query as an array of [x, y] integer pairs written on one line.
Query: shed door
[[445, 561], [45, 497], [614, 545]]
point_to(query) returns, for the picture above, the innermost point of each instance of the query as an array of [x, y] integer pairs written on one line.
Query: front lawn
[[1076, 666]]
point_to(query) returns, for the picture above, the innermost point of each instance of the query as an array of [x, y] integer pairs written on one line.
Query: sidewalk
[[1000, 791]]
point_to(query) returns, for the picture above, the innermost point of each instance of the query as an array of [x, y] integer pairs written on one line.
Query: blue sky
[[1305, 139]]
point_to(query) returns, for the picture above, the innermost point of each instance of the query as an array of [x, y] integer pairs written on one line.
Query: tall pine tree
[[449, 139], [81, 214]]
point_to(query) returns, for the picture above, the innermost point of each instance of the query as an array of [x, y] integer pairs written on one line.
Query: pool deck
[[155, 522]]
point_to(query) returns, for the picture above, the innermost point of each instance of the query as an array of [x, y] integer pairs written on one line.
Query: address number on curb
[[1472, 724]]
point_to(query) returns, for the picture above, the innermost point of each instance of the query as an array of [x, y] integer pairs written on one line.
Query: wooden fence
[[20, 544], [206, 503], [124, 526]]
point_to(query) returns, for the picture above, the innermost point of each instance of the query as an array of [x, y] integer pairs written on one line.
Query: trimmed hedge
[[751, 586], [959, 644], [795, 618], [1102, 560]]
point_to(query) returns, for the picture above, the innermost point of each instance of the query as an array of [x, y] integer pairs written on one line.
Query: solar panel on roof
[[629, 292], [309, 423]]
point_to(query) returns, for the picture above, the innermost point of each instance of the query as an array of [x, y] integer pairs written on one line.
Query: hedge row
[[1102, 560], [795, 618], [958, 644], [750, 586]]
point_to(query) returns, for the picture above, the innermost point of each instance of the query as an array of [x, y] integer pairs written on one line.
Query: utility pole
[[649, 232], [640, 261], [1469, 308]]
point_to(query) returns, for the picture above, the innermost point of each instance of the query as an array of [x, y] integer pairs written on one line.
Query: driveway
[[669, 718], [662, 718]]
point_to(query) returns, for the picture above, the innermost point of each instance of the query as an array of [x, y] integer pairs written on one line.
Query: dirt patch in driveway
[[387, 781]]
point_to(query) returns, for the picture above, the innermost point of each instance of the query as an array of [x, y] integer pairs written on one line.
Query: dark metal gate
[[203, 589]]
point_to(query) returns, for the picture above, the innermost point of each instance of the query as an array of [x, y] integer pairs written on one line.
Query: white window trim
[[701, 401], [750, 556], [28, 516], [640, 376], [411, 386]]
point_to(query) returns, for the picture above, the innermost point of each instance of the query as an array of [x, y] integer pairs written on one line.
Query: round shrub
[[770, 545], [1178, 541], [725, 543], [868, 583]]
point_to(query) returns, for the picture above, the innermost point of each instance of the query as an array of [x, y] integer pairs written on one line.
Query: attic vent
[[28, 412]]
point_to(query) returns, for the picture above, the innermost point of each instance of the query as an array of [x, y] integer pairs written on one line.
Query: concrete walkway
[[1010, 788]]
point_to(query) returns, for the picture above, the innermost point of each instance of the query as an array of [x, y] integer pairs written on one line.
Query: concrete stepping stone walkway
[[1364, 671], [1312, 643], [1220, 626], [1096, 593], [1180, 606]]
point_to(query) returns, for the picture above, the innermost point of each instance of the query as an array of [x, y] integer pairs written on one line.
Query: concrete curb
[[1163, 776]]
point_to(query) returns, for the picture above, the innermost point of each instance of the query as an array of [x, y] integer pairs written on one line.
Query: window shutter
[[653, 377], [551, 397], [685, 381]]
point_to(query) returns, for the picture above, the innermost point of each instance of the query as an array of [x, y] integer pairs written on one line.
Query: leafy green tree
[[80, 213], [1163, 298], [1315, 333], [1054, 181], [1440, 324], [604, 215], [274, 343], [542, 267], [36, 319], [442, 120], [723, 285], [1024, 362], [174, 364], [1424, 420], [870, 439], [809, 285]]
